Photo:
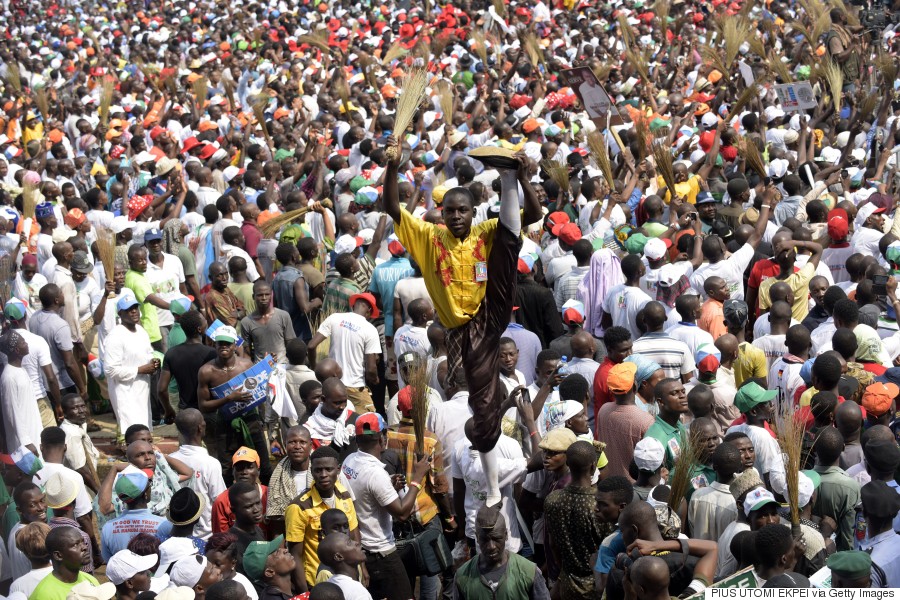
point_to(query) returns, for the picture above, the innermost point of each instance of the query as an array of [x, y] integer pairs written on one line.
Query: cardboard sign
[[587, 87], [254, 380], [796, 96]]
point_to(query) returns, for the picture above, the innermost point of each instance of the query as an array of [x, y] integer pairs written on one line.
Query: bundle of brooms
[[395, 52], [199, 89], [665, 166], [789, 431], [480, 45], [106, 247], [746, 97], [316, 40], [411, 93], [444, 91], [600, 154], [40, 99], [271, 227], [753, 159], [835, 79], [259, 109], [532, 48], [558, 172], [418, 377], [689, 450], [14, 78], [107, 87]]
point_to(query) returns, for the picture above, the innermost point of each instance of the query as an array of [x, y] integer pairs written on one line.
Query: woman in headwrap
[[605, 273], [648, 374], [172, 243]]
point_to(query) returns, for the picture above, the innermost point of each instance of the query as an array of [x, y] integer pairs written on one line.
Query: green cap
[[751, 395], [814, 477], [282, 154], [635, 244], [358, 183], [850, 564], [657, 124], [256, 555]]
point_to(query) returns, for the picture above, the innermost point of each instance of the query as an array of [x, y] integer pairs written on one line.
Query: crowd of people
[[630, 337]]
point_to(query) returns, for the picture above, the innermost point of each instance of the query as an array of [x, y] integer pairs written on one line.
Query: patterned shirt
[[567, 286], [575, 531], [337, 295]]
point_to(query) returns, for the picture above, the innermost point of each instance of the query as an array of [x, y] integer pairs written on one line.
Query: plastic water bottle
[[562, 369]]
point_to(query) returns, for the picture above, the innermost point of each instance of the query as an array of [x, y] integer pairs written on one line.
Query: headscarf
[[605, 272], [172, 236], [645, 368]]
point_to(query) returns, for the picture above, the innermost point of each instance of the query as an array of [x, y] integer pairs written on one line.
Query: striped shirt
[[567, 285], [337, 295], [672, 355]]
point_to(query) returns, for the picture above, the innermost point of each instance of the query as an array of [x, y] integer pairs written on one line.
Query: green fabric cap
[[256, 555], [467, 78], [282, 154], [657, 124], [635, 244], [752, 395], [850, 564], [359, 182]]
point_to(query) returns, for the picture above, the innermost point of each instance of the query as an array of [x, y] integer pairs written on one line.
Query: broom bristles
[[315, 40], [781, 70], [600, 154], [411, 93], [642, 132], [29, 201], [746, 97], [835, 79], [887, 65], [271, 226], [625, 31], [661, 8], [395, 52], [665, 167], [446, 99], [752, 157], [14, 77], [789, 431], [711, 55], [229, 94], [106, 94], [106, 247], [343, 91], [500, 8], [480, 44], [558, 172], [40, 98], [199, 89], [418, 377], [734, 31], [684, 463]]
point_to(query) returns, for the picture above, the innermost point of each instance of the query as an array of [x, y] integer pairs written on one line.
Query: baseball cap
[[864, 212], [736, 312], [621, 378], [188, 570], [806, 486], [635, 243], [121, 223], [557, 218], [368, 298], [225, 333], [708, 358], [178, 592], [526, 264], [705, 198], [245, 454], [256, 555], [838, 224], [751, 395], [60, 490], [758, 498], [395, 247], [126, 302], [656, 248], [172, 550], [573, 311], [125, 564], [15, 309], [878, 397], [24, 459], [649, 454], [347, 243], [132, 482], [81, 263], [558, 440], [180, 305], [152, 235], [370, 424], [88, 591], [568, 233]]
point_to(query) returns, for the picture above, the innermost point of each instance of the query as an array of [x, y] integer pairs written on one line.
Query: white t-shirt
[[21, 417], [165, 282], [691, 335], [371, 486], [352, 338], [27, 582], [300, 480], [559, 266], [207, 481], [785, 378], [730, 269], [762, 326], [38, 357], [623, 303], [406, 291], [82, 500], [352, 589], [773, 347], [836, 261]]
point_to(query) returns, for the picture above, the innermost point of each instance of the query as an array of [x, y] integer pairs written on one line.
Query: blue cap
[[126, 302], [152, 235]]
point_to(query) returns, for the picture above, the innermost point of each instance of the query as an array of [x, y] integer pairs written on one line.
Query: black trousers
[[387, 576]]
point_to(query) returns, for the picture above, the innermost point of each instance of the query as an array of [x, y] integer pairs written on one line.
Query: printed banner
[[796, 96], [254, 380]]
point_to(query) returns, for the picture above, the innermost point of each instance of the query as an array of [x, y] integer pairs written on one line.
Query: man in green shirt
[[838, 494], [672, 401], [65, 547], [136, 280]]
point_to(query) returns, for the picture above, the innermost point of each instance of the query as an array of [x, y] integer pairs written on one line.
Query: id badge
[[481, 272]]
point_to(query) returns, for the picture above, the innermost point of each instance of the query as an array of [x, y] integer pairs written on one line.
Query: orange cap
[[245, 454], [206, 126], [621, 378], [714, 76], [55, 136], [530, 125], [878, 398]]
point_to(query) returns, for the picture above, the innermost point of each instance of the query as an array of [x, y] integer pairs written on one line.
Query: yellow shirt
[[689, 189], [750, 363], [302, 524], [799, 283], [449, 265]]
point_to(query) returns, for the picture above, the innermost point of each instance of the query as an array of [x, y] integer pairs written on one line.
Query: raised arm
[[391, 195]]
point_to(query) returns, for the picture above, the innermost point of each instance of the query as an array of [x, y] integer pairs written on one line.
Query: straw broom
[[779, 68], [343, 90], [439, 43], [887, 66], [229, 94], [532, 48], [271, 227], [480, 45], [411, 93], [661, 8], [750, 153], [835, 80], [259, 111], [500, 9], [199, 90], [14, 78], [711, 55], [316, 40], [638, 60], [600, 154], [30, 199], [106, 247], [40, 99], [681, 476], [365, 63], [642, 131], [323, 349], [757, 46], [868, 104], [445, 97], [789, 431], [418, 377], [395, 52], [625, 31], [106, 93], [6, 275], [665, 166], [734, 31], [601, 72], [746, 97], [558, 172]]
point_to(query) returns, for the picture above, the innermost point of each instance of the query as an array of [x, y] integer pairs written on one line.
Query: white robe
[[21, 417], [129, 393]]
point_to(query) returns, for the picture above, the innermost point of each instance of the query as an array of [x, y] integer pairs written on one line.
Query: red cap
[[567, 233], [6, 459], [207, 152], [572, 315], [396, 248], [838, 224], [156, 132], [708, 364], [189, 144], [370, 424], [557, 218], [366, 297]]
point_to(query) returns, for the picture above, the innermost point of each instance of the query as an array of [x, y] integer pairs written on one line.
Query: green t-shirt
[[176, 336], [51, 588], [187, 261], [654, 229], [140, 285], [669, 437]]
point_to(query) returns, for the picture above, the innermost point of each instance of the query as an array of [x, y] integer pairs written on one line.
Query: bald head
[[780, 313], [333, 385], [654, 316], [135, 448], [188, 422], [331, 547], [649, 576], [327, 368], [848, 419], [583, 345], [728, 346], [781, 292]]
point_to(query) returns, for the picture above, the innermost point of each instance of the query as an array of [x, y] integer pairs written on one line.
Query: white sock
[[489, 464], [509, 202]]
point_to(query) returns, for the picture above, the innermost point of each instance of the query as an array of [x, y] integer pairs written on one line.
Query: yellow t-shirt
[[302, 524], [799, 283], [750, 363], [689, 189], [449, 265]]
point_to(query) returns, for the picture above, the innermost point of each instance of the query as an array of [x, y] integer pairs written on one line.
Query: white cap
[[188, 571], [772, 112], [709, 120], [172, 550], [367, 235], [345, 243], [176, 593], [778, 168], [842, 139], [125, 564], [805, 489], [88, 591], [649, 454], [121, 223], [830, 155], [654, 249], [865, 211], [756, 499], [144, 157]]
